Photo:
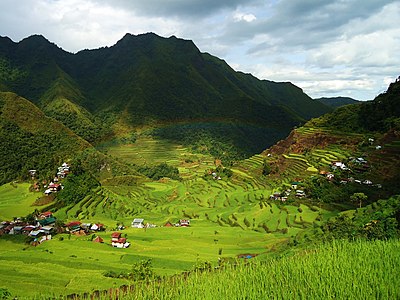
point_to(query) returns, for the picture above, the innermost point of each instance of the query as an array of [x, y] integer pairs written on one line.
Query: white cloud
[[237, 16]]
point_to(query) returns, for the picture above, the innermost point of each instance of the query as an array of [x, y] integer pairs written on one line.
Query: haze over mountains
[[150, 80]]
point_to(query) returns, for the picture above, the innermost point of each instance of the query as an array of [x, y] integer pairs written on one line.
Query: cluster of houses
[[79, 228], [55, 186], [139, 223], [294, 190], [358, 164], [41, 229]]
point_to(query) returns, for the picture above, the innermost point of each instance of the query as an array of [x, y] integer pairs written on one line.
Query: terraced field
[[229, 217]]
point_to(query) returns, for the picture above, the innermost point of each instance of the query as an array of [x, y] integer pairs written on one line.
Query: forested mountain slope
[[149, 80]]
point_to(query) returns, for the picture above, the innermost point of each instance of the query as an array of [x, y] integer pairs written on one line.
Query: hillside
[[337, 101], [369, 131], [30, 140], [147, 80], [281, 202]]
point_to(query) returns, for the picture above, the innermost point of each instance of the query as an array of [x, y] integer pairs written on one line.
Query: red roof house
[[98, 240]]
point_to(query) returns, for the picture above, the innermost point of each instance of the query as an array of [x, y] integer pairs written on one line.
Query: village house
[[97, 227], [138, 223], [46, 214], [300, 193], [63, 171], [168, 224], [276, 196], [118, 241], [98, 240], [32, 173], [338, 164], [183, 223], [27, 229], [73, 226], [46, 222]]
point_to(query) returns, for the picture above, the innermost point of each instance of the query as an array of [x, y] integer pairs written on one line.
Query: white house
[[137, 223]]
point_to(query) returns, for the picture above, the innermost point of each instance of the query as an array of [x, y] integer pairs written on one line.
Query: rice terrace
[[151, 170]]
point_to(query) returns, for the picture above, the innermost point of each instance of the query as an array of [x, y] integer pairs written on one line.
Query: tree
[[266, 168], [358, 198]]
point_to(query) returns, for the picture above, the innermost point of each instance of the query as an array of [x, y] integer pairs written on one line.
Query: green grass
[[338, 270], [16, 200]]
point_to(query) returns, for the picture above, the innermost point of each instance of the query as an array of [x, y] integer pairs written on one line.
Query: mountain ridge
[[150, 80]]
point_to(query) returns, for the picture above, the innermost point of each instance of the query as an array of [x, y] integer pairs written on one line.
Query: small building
[[47, 229], [98, 240], [184, 223], [73, 226], [47, 221], [168, 224], [36, 233], [115, 236], [27, 229], [330, 176], [118, 241], [97, 227], [45, 215], [138, 223]]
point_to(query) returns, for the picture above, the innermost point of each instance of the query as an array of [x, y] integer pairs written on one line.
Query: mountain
[[147, 80], [31, 140], [364, 136], [337, 101]]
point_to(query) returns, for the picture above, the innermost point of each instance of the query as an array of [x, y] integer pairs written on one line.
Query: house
[[367, 182], [27, 229], [47, 221], [300, 193], [32, 173], [36, 233], [73, 226], [45, 215], [115, 236], [47, 229], [137, 223], [276, 196], [168, 224], [18, 229], [184, 223], [338, 164], [378, 147], [330, 176], [97, 227], [121, 243], [98, 240], [54, 187], [118, 242], [295, 184]]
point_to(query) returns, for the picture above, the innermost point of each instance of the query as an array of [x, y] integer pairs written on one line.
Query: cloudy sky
[[328, 48]]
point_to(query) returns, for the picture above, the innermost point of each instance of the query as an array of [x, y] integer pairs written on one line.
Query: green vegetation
[[189, 148], [359, 270], [148, 81], [16, 200]]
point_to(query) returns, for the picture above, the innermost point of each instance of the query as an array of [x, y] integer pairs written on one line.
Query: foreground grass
[[340, 270]]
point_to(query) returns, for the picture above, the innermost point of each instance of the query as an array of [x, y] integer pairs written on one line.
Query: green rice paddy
[[228, 218]]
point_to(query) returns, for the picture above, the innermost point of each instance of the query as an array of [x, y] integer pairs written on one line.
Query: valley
[[151, 169]]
